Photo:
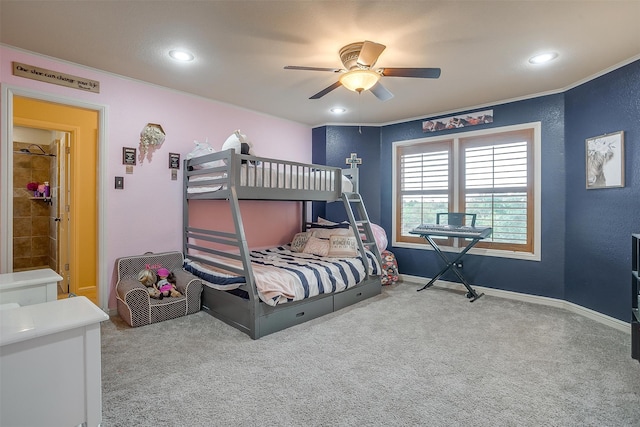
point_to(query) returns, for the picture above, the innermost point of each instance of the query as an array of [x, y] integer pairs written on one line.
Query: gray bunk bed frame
[[252, 316]]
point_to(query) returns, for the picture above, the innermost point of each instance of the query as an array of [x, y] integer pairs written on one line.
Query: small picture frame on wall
[[128, 156], [174, 161], [605, 161]]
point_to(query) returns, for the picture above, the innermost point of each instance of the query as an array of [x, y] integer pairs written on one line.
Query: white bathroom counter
[[31, 321], [29, 287], [27, 278]]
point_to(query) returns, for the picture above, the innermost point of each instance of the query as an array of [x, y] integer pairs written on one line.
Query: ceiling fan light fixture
[[359, 80]]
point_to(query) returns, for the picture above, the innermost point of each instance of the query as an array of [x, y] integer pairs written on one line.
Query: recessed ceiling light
[[181, 55], [543, 57], [338, 110]]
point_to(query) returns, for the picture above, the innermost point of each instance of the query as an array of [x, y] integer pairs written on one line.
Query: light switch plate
[[119, 182]]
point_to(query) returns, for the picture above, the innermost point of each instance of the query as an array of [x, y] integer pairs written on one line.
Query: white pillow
[[342, 247], [325, 233], [323, 221], [299, 241]]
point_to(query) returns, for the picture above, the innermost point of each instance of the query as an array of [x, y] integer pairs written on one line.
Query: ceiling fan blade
[[422, 73], [296, 67], [369, 53], [381, 92], [325, 91]]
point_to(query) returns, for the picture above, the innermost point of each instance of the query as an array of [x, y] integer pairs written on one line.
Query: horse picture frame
[[605, 161]]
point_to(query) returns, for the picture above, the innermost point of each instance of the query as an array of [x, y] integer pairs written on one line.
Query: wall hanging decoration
[[128, 156], [605, 161], [55, 77], [151, 137], [455, 122], [174, 161], [353, 160]]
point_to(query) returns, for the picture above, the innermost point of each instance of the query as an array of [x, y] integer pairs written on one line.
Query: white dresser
[[35, 390], [29, 287]]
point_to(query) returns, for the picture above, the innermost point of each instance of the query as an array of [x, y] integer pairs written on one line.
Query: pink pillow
[[380, 237], [316, 246]]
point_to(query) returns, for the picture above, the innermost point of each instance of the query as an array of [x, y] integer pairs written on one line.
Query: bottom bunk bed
[[292, 287], [267, 319]]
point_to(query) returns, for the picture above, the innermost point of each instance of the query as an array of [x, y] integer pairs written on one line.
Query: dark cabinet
[[635, 296]]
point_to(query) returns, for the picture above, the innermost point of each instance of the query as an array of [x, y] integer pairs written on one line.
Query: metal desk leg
[[451, 265]]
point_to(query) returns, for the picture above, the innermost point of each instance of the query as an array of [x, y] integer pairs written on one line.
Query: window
[[491, 173]]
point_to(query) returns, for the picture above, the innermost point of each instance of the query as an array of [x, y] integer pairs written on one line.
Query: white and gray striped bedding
[[282, 275]]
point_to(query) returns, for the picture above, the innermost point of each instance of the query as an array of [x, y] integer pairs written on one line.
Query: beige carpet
[[400, 359]]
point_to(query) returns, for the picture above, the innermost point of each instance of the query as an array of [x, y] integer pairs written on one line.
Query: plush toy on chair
[[149, 278], [167, 283]]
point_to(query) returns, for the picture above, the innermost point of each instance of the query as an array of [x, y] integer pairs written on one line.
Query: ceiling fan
[[358, 74]]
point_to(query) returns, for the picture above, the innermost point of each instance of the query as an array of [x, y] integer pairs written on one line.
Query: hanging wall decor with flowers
[[151, 137]]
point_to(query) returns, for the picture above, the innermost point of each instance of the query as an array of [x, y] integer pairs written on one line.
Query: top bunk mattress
[[264, 176]]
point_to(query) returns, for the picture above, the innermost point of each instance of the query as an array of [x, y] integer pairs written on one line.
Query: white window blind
[[425, 184], [491, 177], [496, 189]]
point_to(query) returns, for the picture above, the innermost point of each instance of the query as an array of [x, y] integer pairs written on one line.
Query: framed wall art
[[128, 156], [460, 121], [174, 161], [605, 161]]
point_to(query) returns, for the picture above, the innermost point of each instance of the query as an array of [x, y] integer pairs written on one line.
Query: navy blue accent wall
[[586, 238], [319, 157], [537, 278], [600, 222], [340, 142]]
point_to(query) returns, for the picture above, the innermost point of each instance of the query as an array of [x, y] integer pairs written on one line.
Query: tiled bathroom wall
[[32, 216]]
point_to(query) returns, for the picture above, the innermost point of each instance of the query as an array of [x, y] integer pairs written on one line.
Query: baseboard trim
[[534, 299]]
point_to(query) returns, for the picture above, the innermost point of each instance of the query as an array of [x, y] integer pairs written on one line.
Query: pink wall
[[147, 214]]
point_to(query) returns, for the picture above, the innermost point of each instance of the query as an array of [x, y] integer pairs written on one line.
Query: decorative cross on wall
[[354, 161]]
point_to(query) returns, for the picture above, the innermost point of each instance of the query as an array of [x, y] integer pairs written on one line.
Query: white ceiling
[[242, 46]]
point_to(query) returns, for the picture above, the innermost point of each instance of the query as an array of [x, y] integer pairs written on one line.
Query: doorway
[[41, 188], [75, 186]]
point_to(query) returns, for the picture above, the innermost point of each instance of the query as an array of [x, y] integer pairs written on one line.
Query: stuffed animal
[[202, 149], [149, 278], [167, 283], [240, 143]]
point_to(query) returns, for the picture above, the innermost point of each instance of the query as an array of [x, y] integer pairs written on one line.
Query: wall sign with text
[[55, 77]]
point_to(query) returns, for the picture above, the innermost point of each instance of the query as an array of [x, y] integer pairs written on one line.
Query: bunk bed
[[231, 273]]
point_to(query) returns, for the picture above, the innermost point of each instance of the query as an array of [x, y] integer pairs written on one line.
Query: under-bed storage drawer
[[229, 308], [357, 294], [285, 317]]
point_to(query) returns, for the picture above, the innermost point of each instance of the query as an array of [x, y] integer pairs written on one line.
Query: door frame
[[6, 179]]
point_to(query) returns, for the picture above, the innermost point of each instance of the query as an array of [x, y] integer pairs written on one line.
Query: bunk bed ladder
[[361, 223]]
